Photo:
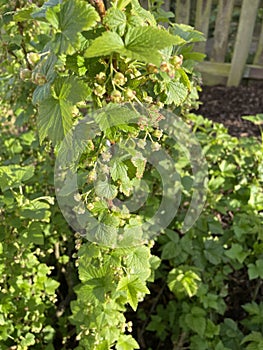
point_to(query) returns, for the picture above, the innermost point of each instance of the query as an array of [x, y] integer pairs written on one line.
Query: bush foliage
[[200, 289]]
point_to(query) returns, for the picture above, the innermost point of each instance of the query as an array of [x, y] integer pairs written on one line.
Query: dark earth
[[227, 105]]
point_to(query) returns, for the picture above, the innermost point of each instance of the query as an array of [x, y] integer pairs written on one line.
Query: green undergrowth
[[199, 289]]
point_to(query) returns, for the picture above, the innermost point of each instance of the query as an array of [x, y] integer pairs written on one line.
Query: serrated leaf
[[36, 210], [73, 18], [182, 282], [106, 44], [40, 13], [114, 115], [141, 43], [255, 270], [255, 119], [55, 117], [106, 190], [118, 171], [138, 261], [184, 78], [196, 323], [13, 176], [176, 92], [115, 20], [188, 33], [144, 43], [23, 14], [132, 285], [127, 342], [236, 252], [139, 162]]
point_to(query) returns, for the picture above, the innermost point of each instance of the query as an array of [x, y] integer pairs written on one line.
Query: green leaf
[[106, 44], [51, 286], [213, 251], [256, 119], [36, 210], [118, 171], [176, 92], [23, 14], [13, 176], [28, 340], [105, 190], [40, 13], [55, 116], [138, 261], [35, 233], [115, 20], [139, 162], [143, 43], [196, 323], [183, 283], [73, 18], [255, 270], [126, 342], [236, 252], [114, 115], [188, 33], [133, 286]]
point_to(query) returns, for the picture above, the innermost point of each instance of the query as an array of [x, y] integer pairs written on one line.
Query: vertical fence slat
[[166, 6], [258, 59], [182, 11], [243, 41], [203, 10], [223, 20]]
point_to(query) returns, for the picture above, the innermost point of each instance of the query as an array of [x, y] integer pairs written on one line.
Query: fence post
[[203, 10], [223, 20], [182, 11], [243, 41], [258, 59]]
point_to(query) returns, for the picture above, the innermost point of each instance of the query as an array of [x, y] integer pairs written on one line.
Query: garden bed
[[228, 104]]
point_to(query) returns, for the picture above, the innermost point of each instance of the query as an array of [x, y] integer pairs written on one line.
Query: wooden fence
[[234, 32]]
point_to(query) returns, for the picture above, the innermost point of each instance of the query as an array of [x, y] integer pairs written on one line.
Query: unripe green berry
[[152, 68], [130, 94], [99, 90], [33, 57], [164, 67], [39, 79], [158, 133], [101, 78], [25, 74], [176, 61], [119, 79], [116, 96]]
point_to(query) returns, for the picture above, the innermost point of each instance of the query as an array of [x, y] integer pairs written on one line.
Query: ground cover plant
[[201, 288]]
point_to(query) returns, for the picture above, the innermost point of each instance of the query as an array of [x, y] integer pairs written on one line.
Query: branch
[[100, 7]]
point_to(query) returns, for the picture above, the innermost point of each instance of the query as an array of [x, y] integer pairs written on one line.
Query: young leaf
[[105, 190], [132, 285], [106, 44], [175, 92], [144, 43], [115, 20], [126, 342], [73, 17], [55, 112]]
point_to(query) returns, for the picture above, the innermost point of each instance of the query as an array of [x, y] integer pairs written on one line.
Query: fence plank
[[223, 20], [166, 5], [243, 41], [258, 59], [182, 11], [215, 73], [203, 10]]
